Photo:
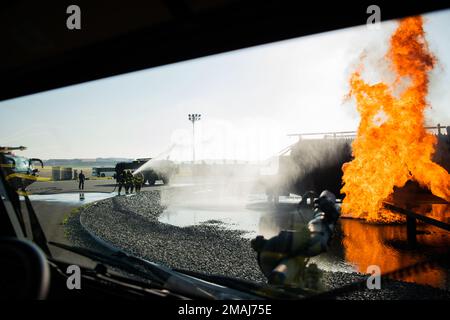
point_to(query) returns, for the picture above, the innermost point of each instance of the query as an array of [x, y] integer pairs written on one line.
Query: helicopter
[[19, 171]]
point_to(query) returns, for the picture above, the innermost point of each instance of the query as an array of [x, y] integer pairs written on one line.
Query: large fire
[[392, 145]]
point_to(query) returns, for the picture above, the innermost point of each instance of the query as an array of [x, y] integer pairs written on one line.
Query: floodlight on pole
[[193, 117]]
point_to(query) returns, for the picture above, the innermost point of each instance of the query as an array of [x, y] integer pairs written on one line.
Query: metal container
[[66, 173], [56, 173]]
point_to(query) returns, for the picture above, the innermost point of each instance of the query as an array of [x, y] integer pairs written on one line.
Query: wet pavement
[[79, 198], [52, 211], [363, 244]]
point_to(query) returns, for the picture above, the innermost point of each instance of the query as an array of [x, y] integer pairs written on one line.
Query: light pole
[[193, 117]]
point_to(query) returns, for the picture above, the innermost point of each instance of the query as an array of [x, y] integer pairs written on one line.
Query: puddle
[[71, 198], [255, 218]]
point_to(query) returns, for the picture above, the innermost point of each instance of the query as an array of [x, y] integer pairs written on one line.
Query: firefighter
[[81, 179], [121, 181], [284, 258], [129, 182], [138, 181]]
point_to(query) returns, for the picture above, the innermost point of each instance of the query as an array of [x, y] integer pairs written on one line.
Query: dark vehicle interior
[[40, 53]]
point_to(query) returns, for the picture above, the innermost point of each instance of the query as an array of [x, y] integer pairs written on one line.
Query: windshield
[[185, 164]]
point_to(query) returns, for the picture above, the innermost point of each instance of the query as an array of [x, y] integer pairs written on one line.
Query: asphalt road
[[51, 187], [51, 214]]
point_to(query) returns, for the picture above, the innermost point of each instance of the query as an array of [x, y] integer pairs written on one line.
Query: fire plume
[[392, 145]]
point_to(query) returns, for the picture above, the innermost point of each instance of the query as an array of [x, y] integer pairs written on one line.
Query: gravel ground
[[130, 223]]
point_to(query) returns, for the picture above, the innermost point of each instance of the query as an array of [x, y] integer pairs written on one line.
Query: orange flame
[[399, 149]]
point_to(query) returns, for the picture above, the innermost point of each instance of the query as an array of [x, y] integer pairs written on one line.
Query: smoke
[[229, 157], [213, 191], [439, 97], [317, 165], [312, 165], [368, 56]]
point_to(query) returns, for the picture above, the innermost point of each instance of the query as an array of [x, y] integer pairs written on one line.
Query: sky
[[250, 99]]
